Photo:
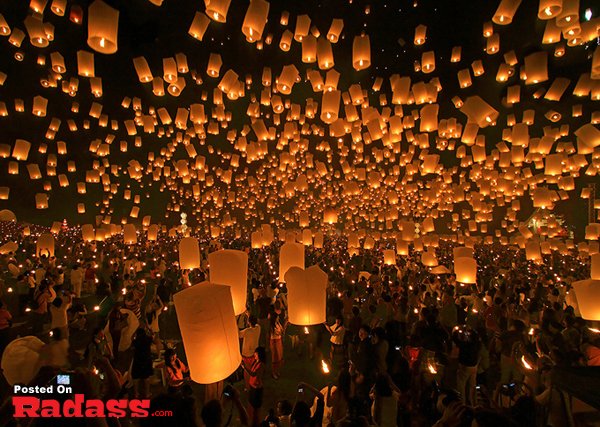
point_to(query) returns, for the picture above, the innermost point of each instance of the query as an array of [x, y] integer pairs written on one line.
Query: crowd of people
[[401, 346]]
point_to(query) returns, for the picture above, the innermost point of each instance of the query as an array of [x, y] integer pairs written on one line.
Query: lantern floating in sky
[[103, 27], [255, 20], [209, 331], [361, 52]]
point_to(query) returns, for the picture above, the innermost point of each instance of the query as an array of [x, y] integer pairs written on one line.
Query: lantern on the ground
[[209, 331]]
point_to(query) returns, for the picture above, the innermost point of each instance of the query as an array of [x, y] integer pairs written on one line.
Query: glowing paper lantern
[[45, 245], [361, 52], [87, 232], [389, 257], [290, 255], [189, 253], [8, 248], [429, 259], [153, 232], [129, 234], [506, 11], [533, 251], [103, 27], [230, 267], [549, 9], [462, 252], [465, 270], [209, 331], [595, 266], [255, 20], [20, 360], [307, 295], [330, 216], [217, 9], [588, 298]]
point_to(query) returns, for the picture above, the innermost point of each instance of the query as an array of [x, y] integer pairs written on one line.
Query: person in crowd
[[277, 325], [250, 339], [256, 372], [175, 370], [141, 367], [337, 332]]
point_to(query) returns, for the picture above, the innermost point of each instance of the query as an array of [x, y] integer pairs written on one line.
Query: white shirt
[[251, 337], [337, 334]]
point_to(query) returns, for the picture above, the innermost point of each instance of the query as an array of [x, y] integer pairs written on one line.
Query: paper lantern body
[[103, 27], [588, 298], [87, 232], [153, 232], [20, 359], [389, 257], [45, 245], [465, 270], [209, 331], [533, 251], [307, 295], [595, 267], [189, 253], [7, 215], [290, 255], [461, 251], [230, 267], [429, 259], [129, 234]]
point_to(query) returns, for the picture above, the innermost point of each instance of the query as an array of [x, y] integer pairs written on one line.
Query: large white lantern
[[465, 270], [209, 331], [230, 267], [189, 253], [587, 293], [290, 255], [307, 295], [20, 360]]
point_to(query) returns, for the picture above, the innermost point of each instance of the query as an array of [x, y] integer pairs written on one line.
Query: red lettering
[[26, 406], [116, 408], [50, 408], [74, 408], [94, 408], [139, 408]]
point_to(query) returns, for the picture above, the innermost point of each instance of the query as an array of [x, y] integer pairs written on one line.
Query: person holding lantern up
[[337, 332]]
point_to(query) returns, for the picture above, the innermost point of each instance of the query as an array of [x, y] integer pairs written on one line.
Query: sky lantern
[[45, 245], [588, 297], [129, 234], [420, 35], [255, 20], [290, 255], [506, 11], [35, 30], [429, 259], [337, 25], [307, 295], [217, 10], [465, 269], [209, 331], [103, 27], [595, 266], [189, 253], [230, 267], [361, 52], [330, 106], [199, 26]]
